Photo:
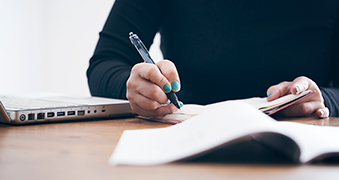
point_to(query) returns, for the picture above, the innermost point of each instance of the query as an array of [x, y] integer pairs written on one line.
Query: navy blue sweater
[[223, 49]]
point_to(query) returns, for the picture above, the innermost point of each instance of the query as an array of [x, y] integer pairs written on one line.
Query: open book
[[219, 127], [268, 108]]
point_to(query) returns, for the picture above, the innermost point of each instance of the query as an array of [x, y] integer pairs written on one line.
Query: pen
[[139, 45]]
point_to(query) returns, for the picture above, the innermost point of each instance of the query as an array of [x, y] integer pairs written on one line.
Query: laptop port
[[62, 113], [41, 116], [50, 114], [81, 113], [70, 113], [103, 110], [31, 116], [22, 117]]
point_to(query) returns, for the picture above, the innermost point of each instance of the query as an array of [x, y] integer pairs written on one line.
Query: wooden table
[[80, 150]]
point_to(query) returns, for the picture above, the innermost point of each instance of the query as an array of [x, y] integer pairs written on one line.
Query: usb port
[[31, 116], [70, 113], [81, 113], [41, 116], [61, 113], [50, 114]]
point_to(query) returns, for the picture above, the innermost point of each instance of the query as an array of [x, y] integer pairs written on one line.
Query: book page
[[200, 133], [313, 140], [287, 99], [190, 110]]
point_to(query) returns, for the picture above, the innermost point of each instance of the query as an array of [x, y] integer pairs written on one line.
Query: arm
[[325, 102], [114, 55], [331, 93], [116, 69]]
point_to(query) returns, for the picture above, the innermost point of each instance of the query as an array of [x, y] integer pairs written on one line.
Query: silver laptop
[[27, 110]]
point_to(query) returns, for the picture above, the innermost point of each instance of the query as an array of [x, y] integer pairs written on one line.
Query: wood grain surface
[[80, 150]]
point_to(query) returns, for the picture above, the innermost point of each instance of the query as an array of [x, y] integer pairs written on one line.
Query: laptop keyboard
[[25, 103]]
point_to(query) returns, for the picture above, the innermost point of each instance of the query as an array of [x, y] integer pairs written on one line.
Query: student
[[221, 50]]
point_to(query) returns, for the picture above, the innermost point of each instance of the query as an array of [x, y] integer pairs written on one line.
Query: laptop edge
[[68, 113]]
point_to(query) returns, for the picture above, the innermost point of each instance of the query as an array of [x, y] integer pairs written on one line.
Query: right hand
[[147, 85]]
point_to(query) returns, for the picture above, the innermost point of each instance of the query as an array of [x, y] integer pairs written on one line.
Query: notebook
[[269, 108], [40, 109], [226, 133]]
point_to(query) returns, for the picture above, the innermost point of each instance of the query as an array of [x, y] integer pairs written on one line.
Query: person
[[221, 50]]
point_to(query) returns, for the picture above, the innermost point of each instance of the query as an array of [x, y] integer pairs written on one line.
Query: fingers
[[164, 74], [312, 105], [169, 71], [300, 84], [137, 85], [152, 73], [146, 88], [278, 90], [160, 111], [323, 113], [307, 109]]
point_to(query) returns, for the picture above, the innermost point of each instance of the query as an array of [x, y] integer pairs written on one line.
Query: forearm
[[108, 79], [114, 55]]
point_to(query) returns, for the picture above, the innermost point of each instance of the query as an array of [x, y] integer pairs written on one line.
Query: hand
[[147, 85], [312, 105]]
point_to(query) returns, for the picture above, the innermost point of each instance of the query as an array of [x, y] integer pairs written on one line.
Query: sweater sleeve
[[331, 97], [114, 55], [331, 93]]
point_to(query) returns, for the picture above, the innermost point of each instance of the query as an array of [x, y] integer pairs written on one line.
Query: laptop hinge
[[3, 114]]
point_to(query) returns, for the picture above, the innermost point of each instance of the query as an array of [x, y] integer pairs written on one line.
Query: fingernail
[[297, 88], [322, 112], [175, 85], [269, 95], [167, 88], [181, 105], [168, 102]]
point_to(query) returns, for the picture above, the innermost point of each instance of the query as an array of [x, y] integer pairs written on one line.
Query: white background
[[45, 45]]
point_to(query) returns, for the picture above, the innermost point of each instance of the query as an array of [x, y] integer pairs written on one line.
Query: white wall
[[20, 45], [45, 45]]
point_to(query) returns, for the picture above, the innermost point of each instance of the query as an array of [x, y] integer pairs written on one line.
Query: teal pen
[[139, 45]]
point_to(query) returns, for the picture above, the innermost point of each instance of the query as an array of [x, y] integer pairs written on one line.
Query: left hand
[[310, 106]]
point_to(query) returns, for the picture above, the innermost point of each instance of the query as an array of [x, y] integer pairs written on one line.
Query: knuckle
[[153, 93], [284, 83], [130, 83], [162, 81], [302, 78], [128, 96], [170, 74], [274, 87], [166, 61], [153, 105], [136, 68], [152, 72]]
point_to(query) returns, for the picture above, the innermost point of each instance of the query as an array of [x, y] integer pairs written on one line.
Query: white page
[[312, 140], [203, 132], [190, 110]]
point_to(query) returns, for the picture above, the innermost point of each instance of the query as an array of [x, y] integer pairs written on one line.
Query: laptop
[[35, 109]]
